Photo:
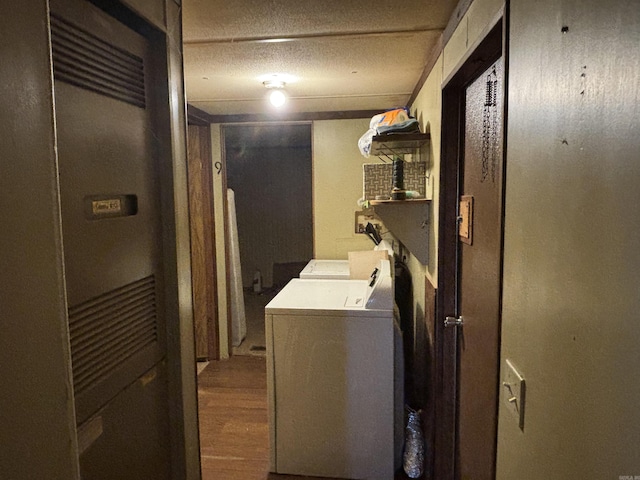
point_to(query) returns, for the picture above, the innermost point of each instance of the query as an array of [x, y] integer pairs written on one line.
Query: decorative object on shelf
[[397, 190], [377, 180]]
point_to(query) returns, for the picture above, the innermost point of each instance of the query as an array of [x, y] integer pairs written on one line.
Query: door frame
[[487, 50], [210, 266], [223, 159]]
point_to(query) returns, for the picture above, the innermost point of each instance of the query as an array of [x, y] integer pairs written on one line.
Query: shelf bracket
[[408, 221]]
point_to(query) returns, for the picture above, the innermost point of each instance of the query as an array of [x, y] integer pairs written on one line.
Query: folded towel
[[408, 126]]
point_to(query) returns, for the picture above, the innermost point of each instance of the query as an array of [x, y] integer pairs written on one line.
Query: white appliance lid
[[348, 296], [327, 266], [322, 296], [332, 269]]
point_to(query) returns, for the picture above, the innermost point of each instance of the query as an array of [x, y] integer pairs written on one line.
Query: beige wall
[[427, 108], [474, 26], [38, 437], [572, 249], [337, 186]]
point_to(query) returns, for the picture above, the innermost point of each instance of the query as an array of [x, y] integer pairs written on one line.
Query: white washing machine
[[330, 377], [337, 269]]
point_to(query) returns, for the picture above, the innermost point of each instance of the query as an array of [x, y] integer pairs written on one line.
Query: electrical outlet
[[513, 392], [364, 217]]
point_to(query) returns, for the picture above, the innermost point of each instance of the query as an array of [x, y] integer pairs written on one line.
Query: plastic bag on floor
[[413, 458]]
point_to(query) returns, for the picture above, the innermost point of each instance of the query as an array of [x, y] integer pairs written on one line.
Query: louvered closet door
[[111, 233]]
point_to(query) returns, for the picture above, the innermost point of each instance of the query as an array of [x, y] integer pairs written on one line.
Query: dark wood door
[[480, 254]]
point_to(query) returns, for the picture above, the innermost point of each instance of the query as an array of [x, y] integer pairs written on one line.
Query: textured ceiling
[[338, 55]]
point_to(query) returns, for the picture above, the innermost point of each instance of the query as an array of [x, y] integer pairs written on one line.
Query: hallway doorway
[[269, 169]]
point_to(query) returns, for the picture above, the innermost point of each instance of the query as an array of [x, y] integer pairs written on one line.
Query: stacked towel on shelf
[[397, 120]]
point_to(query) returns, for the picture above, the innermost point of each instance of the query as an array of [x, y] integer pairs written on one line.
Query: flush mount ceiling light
[[277, 96], [274, 83]]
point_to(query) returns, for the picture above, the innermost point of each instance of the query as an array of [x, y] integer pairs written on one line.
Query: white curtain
[[238, 319]]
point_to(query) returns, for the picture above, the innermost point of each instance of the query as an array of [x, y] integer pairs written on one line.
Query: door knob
[[453, 321]]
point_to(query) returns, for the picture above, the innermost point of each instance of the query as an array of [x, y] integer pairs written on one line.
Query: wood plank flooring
[[234, 432]]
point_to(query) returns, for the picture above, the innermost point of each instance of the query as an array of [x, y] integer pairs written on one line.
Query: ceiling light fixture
[[277, 96]]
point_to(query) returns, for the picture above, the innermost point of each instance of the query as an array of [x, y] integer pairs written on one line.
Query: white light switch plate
[[513, 392]]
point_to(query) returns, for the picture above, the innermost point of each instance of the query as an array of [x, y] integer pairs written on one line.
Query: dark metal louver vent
[[84, 60], [107, 330]]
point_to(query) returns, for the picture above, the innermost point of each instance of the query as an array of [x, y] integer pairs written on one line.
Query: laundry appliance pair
[[334, 373]]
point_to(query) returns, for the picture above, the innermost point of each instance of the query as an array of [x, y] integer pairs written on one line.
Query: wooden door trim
[[198, 117], [204, 270], [213, 320], [488, 50], [227, 239]]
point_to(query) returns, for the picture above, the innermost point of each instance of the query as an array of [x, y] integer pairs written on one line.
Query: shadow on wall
[[422, 393], [283, 272]]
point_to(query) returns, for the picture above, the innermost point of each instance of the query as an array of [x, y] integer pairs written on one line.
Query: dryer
[[328, 269], [330, 377], [337, 269]]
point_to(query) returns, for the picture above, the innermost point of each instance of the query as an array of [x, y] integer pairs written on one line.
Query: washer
[[330, 377]]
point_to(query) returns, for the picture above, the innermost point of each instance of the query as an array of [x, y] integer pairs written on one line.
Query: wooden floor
[[234, 433]]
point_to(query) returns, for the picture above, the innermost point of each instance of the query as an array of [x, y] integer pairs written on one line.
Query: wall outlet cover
[[367, 216]]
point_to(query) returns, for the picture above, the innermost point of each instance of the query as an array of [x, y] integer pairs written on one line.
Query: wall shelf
[[408, 200], [398, 144], [408, 220]]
